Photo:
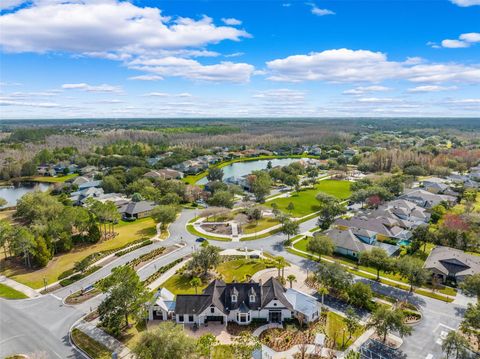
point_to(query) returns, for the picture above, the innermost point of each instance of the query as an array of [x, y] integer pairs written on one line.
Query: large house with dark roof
[[452, 264], [242, 303]]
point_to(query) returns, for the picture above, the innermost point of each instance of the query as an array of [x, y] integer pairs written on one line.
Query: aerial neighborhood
[[268, 251]]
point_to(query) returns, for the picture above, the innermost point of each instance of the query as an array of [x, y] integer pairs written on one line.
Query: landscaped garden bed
[[94, 349], [82, 296]]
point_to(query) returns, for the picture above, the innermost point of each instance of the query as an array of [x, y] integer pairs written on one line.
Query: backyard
[[126, 232], [304, 201]]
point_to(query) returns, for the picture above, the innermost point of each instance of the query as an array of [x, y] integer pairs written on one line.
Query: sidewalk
[[100, 336], [29, 292], [385, 280], [156, 283]]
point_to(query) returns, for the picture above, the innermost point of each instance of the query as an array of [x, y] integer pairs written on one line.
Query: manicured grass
[[335, 327], [372, 273], [239, 269], [305, 202], [10, 293], [127, 232], [58, 179], [94, 349], [179, 284], [262, 224]]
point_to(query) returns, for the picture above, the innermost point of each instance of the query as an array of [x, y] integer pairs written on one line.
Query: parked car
[[200, 240]]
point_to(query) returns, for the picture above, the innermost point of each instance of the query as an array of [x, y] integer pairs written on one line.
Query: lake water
[[13, 193], [239, 169]]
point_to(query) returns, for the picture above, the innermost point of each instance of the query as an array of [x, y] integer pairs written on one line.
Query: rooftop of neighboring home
[[370, 227], [348, 239], [426, 199], [452, 262], [165, 173], [90, 184], [164, 299], [403, 213], [133, 208], [302, 302]]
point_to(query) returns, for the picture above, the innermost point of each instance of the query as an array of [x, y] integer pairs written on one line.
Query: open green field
[[10, 293], [237, 269], [305, 201], [263, 224], [127, 232], [58, 179]]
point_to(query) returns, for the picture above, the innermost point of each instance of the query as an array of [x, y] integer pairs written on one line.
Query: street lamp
[[45, 283]]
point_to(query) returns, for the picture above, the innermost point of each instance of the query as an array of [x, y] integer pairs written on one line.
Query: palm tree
[[291, 278], [281, 263], [323, 291], [196, 282]]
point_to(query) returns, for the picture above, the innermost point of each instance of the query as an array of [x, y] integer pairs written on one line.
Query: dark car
[[200, 240]]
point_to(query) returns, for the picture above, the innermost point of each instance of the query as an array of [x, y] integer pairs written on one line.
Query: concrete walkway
[[370, 275], [29, 292], [157, 282], [107, 340]]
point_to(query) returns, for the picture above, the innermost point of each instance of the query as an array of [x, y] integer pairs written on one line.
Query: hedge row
[[146, 242], [94, 257], [67, 281], [145, 257], [160, 271]]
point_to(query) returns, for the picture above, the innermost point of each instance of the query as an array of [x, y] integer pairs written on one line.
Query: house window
[[180, 318], [252, 298], [274, 304], [190, 318], [234, 298], [212, 310]]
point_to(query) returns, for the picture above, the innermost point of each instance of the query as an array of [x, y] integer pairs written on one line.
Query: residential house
[[350, 152], [372, 229], [88, 170], [452, 264], [427, 199], [352, 242], [81, 180], [136, 210], [80, 197], [90, 184], [241, 303], [402, 213], [164, 173]]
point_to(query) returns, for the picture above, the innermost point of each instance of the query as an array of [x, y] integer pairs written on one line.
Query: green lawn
[[127, 232], [305, 201], [302, 245], [192, 230], [335, 327], [262, 224], [237, 269], [10, 293], [58, 179], [94, 349]]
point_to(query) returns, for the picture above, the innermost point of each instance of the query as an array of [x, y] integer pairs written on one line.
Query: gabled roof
[[137, 207], [347, 240], [451, 261], [219, 295], [302, 302]]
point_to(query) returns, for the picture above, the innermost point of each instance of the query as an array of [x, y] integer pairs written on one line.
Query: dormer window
[[234, 298], [252, 298]]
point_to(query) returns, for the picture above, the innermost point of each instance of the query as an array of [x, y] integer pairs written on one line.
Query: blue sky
[[110, 58]]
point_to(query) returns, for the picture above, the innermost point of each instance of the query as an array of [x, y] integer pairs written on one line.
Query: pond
[[13, 193], [239, 169]]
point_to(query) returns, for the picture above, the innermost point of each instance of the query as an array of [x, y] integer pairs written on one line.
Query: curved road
[[42, 325]]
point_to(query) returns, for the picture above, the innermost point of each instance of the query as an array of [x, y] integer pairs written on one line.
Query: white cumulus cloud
[[431, 88], [92, 88], [231, 21], [346, 65], [320, 12], [466, 3]]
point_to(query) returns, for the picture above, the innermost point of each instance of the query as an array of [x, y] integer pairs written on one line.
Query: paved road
[[43, 324]]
